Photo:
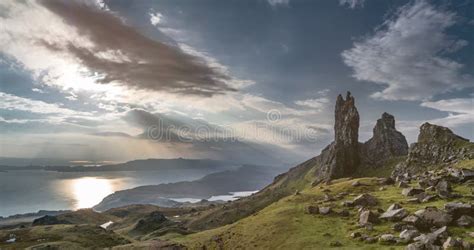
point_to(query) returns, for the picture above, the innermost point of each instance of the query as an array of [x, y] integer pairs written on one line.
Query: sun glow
[[89, 191]]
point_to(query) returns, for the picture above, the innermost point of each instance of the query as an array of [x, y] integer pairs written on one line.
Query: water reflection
[[88, 191]]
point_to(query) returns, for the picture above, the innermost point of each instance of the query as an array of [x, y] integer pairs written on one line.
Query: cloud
[[407, 55], [12, 102], [461, 111], [352, 3], [156, 18], [457, 105], [82, 44], [278, 2]]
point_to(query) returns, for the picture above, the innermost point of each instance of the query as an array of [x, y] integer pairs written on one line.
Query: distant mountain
[[139, 165], [245, 178]]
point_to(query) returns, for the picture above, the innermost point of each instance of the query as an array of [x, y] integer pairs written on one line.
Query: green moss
[[469, 164], [285, 225]]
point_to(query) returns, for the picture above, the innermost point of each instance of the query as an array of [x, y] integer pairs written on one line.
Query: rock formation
[[436, 146], [385, 144], [341, 158]]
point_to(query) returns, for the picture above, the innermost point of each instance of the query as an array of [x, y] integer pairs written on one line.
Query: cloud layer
[[103, 48], [408, 55]]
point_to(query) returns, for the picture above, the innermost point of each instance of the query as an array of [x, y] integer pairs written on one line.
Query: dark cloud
[[148, 64]]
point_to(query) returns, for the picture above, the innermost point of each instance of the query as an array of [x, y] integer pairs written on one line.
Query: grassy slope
[[285, 224]]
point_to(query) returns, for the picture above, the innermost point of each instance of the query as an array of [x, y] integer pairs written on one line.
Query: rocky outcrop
[[341, 158], [385, 144], [438, 145]]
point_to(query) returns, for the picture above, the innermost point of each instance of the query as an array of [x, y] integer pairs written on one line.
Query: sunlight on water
[[89, 191]]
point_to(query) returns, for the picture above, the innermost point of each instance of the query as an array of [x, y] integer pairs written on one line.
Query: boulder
[[403, 184], [408, 235], [415, 221], [416, 246], [312, 209], [457, 209], [394, 214], [325, 210], [465, 221], [365, 200], [355, 184], [387, 239], [412, 191], [451, 243], [434, 217], [367, 217], [394, 206], [443, 186]]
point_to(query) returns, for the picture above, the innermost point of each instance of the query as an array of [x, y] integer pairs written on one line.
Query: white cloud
[[278, 2], [461, 111], [457, 105], [318, 103], [156, 18], [12, 102], [407, 55], [352, 3]]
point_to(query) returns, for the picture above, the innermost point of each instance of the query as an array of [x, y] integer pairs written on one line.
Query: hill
[[379, 194]]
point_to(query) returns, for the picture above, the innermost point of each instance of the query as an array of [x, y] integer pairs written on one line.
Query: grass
[[285, 225], [469, 164]]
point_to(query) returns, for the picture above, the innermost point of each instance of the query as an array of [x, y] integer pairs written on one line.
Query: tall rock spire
[[341, 158]]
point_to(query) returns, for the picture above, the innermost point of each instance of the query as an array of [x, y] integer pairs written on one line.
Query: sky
[[248, 81]]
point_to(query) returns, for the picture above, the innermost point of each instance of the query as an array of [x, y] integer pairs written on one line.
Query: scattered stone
[[443, 186], [325, 210], [471, 234], [328, 197], [355, 184], [365, 200], [434, 217], [451, 243], [412, 191], [344, 213], [370, 240], [394, 206], [467, 174], [367, 217], [456, 209], [430, 189], [403, 184], [415, 221], [312, 209], [409, 234], [355, 235], [429, 198], [413, 200], [382, 189], [347, 203], [465, 221], [466, 245], [416, 246], [387, 239], [394, 214]]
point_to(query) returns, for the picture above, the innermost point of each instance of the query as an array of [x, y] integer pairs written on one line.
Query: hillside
[[379, 194]]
